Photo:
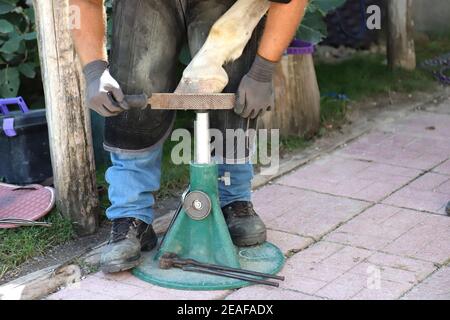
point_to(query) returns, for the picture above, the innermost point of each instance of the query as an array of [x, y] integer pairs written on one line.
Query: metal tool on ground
[[232, 275], [24, 223], [198, 231], [170, 260]]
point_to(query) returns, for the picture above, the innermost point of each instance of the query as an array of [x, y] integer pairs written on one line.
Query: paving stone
[[272, 201], [357, 179], [347, 258], [115, 289], [358, 287], [399, 231], [400, 269], [316, 253], [394, 273], [303, 284], [430, 192], [436, 287], [150, 291], [388, 290], [424, 124], [313, 214], [443, 168], [319, 265], [124, 277], [68, 294], [158, 293], [441, 107], [124, 286], [369, 281], [288, 242], [344, 287], [97, 288], [428, 240], [268, 293], [376, 227], [398, 149], [323, 272], [336, 271]]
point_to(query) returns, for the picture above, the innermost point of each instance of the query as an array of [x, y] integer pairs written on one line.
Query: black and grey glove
[[103, 93], [255, 93]]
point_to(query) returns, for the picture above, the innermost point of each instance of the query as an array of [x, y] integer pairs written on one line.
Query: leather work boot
[[245, 226], [128, 237]]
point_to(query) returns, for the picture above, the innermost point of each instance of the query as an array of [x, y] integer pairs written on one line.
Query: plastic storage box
[[24, 147]]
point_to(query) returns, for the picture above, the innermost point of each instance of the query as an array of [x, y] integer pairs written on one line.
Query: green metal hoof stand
[[199, 232]]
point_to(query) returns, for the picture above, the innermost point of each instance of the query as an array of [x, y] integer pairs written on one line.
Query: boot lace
[[120, 229], [242, 209]]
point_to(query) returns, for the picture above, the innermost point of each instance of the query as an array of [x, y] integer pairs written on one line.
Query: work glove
[[255, 93], [103, 93]]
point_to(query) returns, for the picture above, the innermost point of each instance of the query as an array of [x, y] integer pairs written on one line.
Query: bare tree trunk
[[68, 118], [401, 50], [297, 98]]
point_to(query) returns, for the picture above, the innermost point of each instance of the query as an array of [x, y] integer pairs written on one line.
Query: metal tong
[[24, 222], [171, 260]]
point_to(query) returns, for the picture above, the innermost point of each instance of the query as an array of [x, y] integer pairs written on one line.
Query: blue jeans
[[133, 177]]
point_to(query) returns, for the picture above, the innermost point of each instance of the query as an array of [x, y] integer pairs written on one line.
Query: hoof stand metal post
[[199, 230]]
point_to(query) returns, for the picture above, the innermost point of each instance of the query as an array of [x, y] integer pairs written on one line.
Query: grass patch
[[332, 112], [437, 45], [19, 244], [367, 75], [175, 177], [293, 143]]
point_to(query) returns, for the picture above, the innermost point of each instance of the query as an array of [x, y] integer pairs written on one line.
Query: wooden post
[[400, 46], [297, 98], [68, 118]]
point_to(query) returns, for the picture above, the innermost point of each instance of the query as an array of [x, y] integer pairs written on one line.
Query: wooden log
[[297, 98], [400, 42], [40, 284], [68, 118]]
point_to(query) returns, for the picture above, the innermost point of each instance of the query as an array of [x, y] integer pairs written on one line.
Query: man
[[146, 42]]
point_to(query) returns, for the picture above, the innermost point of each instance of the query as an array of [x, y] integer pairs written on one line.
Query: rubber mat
[[25, 202]]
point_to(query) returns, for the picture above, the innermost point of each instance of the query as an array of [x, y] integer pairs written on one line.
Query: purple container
[[24, 144], [13, 101], [8, 123], [300, 47]]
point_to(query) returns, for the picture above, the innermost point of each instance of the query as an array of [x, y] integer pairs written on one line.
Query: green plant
[[313, 28], [19, 56]]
